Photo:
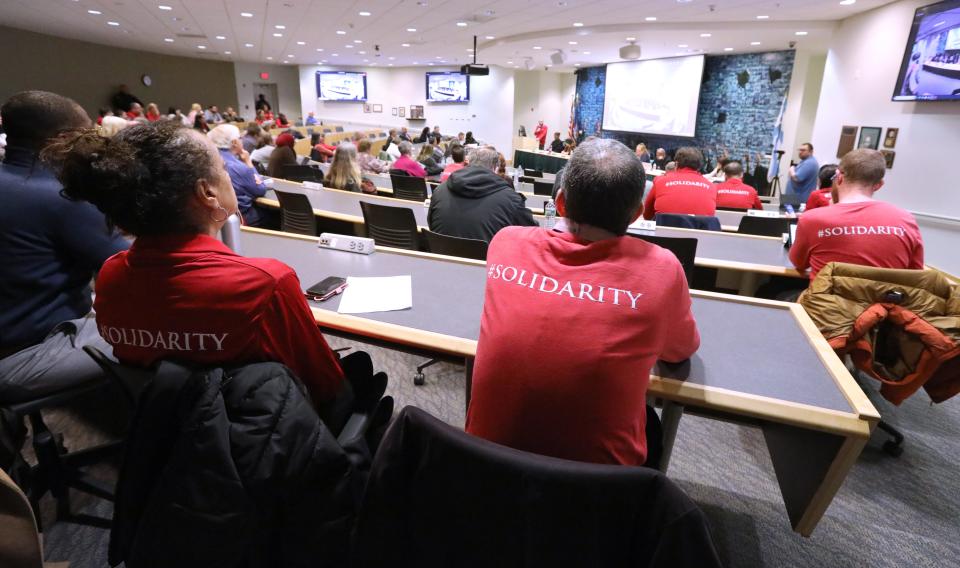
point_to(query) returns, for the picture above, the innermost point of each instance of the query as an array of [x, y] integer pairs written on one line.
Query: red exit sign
[[264, 76]]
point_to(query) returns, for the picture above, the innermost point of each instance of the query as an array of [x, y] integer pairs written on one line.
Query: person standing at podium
[[541, 134]]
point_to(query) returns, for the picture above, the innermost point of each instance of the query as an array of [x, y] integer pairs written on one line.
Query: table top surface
[[775, 355]]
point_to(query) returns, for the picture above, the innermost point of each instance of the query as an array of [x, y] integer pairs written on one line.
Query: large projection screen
[[656, 96]]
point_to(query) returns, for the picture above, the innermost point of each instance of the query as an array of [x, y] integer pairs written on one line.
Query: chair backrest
[[19, 539], [300, 173], [542, 187], [532, 173], [261, 168], [315, 155], [399, 172], [339, 129], [790, 199], [296, 214], [683, 248], [734, 209], [702, 222], [455, 246], [764, 226], [409, 187], [391, 226], [564, 512], [527, 179]]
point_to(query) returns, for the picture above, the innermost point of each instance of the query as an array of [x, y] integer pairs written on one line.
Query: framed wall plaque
[[888, 156], [402, 112], [848, 136], [890, 140], [869, 137], [393, 111], [377, 108]]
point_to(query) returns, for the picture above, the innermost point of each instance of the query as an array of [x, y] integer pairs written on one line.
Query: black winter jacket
[[232, 468], [475, 203]]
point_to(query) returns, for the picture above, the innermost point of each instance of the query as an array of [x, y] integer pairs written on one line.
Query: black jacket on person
[[556, 146], [123, 101], [431, 166], [475, 203], [232, 468], [440, 497]]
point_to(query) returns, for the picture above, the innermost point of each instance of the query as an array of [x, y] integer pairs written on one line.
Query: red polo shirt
[[569, 333], [869, 233], [190, 299], [682, 191], [735, 193], [819, 198]]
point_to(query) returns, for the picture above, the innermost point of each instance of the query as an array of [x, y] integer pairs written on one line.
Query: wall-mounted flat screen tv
[[341, 86], [448, 87], [931, 62]]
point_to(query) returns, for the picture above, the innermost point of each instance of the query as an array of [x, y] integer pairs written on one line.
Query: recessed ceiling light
[[364, 13], [221, 37], [509, 62], [290, 55], [754, 43], [801, 33], [430, 64], [341, 32], [162, 7], [572, 42], [469, 49], [362, 52], [586, 53], [763, 17], [461, 24], [269, 58], [113, 23], [246, 15], [683, 45], [404, 45], [391, 58], [651, 18], [280, 27], [389, 64], [168, 39], [94, 12], [578, 24], [537, 47], [490, 37], [366, 61], [301, 43], [248, 45], [335, 54], [438, 57], [348, 46], [516, 66], [278, 34], [411, 29], [201, 47], [847, 2], [358, 41], [705, 35], [631, 39], [226, 53], [576, 65], [728, 49], [549, 66]]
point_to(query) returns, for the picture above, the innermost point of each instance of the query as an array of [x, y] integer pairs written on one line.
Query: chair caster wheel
[[892, 448], [419, 379]]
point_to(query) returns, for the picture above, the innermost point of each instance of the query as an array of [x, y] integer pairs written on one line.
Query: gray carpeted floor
[[890, 512]]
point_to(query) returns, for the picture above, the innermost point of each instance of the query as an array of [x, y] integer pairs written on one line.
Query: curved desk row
[[815, 418]]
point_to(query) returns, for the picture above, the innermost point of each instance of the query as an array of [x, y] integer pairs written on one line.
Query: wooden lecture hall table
[[815, 418]]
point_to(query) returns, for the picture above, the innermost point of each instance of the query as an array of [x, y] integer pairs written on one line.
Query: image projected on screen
[[931, 64], [657, 96], [341, 86], [448, 87]]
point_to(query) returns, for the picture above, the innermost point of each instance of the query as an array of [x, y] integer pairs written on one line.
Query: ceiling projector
[[631, 51], [558, 57]]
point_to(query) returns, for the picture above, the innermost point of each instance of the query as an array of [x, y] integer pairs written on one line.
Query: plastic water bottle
[[550, 212], [516, 178]]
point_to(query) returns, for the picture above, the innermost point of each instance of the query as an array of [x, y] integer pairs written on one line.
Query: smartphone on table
[[326, 288]]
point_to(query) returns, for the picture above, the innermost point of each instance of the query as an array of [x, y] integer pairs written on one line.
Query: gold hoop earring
[[225, 215]]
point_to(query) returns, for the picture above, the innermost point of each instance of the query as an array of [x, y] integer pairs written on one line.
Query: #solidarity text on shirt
[[861, 230], [166, 340], [575, 290]]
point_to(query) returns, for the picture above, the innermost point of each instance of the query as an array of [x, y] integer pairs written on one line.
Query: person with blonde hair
[[190, 120], [428, 161], [111, 125], [345, 171], [643, 153], [369, 162], [153, 112]]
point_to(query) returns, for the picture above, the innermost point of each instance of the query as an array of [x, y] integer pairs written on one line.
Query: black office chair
[[58, 471], [261, 168], [734, 209], [542, 187], [391, 226], [339, 129], [455, 246], [701, 222], [764, 226], [408, 187], [527, 179], [296, 214], [533, 173], [519, 506], [684, 249], [315, 155], [301, 173]]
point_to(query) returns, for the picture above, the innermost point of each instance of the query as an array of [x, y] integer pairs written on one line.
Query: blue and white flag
[[774, 170]]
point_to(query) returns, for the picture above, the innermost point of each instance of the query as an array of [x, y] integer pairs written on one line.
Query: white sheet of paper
[[376, 294]]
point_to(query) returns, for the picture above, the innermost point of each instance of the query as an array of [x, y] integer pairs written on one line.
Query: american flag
[[572, 129]]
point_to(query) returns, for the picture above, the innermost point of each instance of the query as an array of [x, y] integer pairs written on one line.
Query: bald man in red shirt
[[735, 194], [858, 229], [683, 191]]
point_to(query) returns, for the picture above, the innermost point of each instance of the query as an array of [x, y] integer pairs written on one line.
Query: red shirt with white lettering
[[869, 233], [819, 198], [569, 333], [683, 192], [190, 299], [735, 193]]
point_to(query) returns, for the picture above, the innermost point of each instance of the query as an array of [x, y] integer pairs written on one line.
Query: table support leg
[[468, 379], [748, 283], [670, 420]]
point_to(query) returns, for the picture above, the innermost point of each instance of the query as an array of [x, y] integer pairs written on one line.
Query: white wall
[[859, 79], [802, 100], [491, 101], [540, 95], [285, 77]]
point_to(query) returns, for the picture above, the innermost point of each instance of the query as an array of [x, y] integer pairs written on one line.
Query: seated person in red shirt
[[683, 191], [406, 163], [823, 196], [733, 192], [458, 155], [574, 320], [326, 151], [858, 229], [180, 294]]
